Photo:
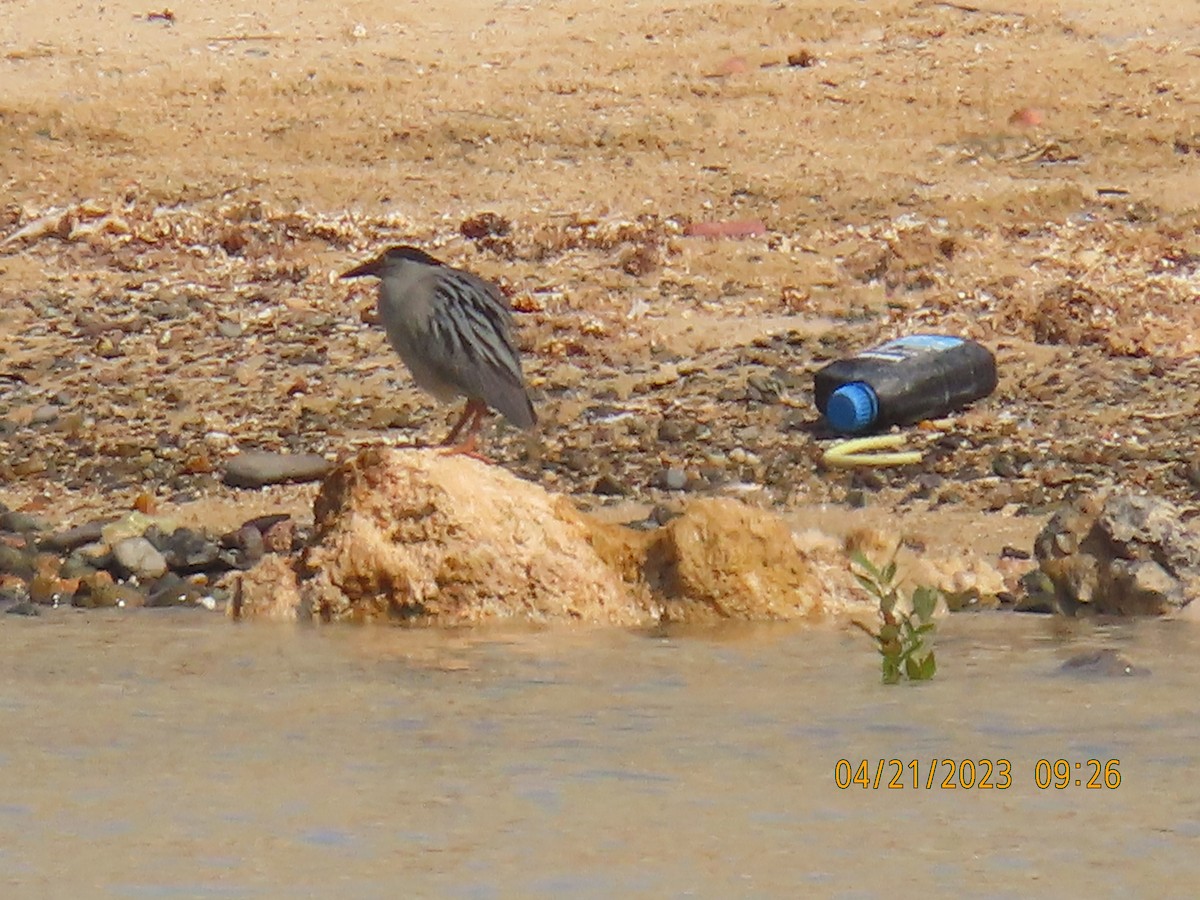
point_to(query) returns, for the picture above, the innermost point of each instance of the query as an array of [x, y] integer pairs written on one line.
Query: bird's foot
[[466, 448]]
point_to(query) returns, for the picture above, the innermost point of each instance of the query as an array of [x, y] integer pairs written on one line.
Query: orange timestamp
[[973, 774], [926, 774]]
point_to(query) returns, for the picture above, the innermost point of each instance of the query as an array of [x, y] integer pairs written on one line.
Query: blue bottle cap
[[852, 407]]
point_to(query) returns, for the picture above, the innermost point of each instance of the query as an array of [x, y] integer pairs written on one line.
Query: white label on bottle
[[910, 346]]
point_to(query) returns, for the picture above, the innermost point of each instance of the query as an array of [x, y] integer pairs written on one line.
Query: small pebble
[[662, 514], [16, 562], [20, 523], [608, 486], [258, 468], [44, 414], [171, 590], [13, 590], [24, 608], [279, 536], [674, 479], [249, 540]]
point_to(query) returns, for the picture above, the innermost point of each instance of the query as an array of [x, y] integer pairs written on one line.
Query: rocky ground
[[182, 188]]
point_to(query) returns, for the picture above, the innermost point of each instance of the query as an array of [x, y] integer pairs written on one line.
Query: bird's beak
[[368, 268]]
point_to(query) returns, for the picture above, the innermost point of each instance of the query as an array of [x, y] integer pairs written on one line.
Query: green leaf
[[863, 563], [891, 672], [867, 584], [888, 575], [925, 601], [927, 668], [912, 669]]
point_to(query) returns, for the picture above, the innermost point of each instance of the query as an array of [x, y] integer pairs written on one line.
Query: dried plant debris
[[184, 335]]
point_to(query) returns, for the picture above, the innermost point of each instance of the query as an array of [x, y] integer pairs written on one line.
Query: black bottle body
[[920, 376]]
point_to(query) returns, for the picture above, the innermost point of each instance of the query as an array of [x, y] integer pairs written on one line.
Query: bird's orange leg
[[468, 410], [472, 417]]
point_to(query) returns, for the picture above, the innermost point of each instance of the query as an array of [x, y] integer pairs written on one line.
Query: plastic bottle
[[921, 376]]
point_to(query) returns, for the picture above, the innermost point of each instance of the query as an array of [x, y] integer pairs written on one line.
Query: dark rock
[[16, 562], [13, 590], [156, 536], [258, 468], [1126, 555], [249, 541], [65, 541], [267, 522], [171, 590], [608, 486], [20, 523], [97, 555], [1107, 663], [137, 556], [76, 566], [796, 420], [189, 550], [1005, 466], [662, 514], [671, 431], [24, 608], [763, 389], [1037, 594]]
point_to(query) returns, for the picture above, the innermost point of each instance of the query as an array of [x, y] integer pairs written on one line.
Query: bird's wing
[[471, 344]]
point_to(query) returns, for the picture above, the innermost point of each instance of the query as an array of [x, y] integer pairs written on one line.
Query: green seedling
[[905, 639]]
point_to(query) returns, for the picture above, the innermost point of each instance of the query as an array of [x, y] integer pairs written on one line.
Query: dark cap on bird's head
[[392, 257]]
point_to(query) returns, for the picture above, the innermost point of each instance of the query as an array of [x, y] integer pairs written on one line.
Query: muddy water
[[176, 755]]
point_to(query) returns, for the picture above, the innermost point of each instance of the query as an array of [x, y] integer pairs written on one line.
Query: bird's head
[[391, 260]]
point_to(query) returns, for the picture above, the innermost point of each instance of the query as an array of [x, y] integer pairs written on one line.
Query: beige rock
[[734, 561], [429, 538], [425, 538]]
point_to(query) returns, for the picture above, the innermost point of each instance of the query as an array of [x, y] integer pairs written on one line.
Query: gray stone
[[24, 608], [249, 544], [44, 414], [16, 562], [1105, 663], [19, 522], [189, 550], [1126, 555], [137, 556], [675, 479], [65, 541], [171, 590], [259, 468], [608, 486], [76, 566]]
